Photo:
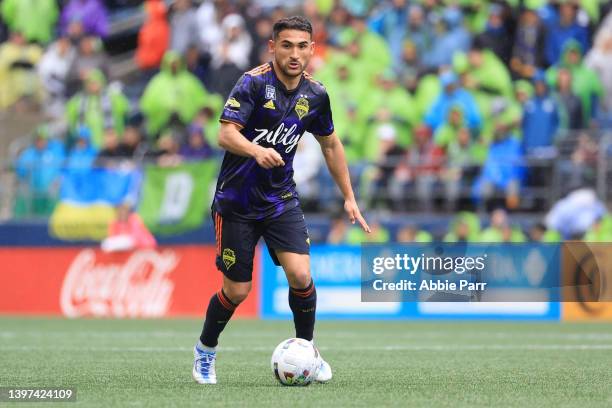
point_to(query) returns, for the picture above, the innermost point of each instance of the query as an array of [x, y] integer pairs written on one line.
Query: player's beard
[[291, 72]]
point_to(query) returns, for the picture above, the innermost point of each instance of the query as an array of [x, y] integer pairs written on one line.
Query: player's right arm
[[236, 113], [233, 141]]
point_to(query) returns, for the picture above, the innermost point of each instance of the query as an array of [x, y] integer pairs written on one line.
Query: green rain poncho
[[476, 19], [356, 235], [97, 111], [488, 81], [601, 231], [402, 108], [345, 95], [491, 76], [324, 7], [473, 224], [551, 236], [181, 93], [494, 235], [374, 56], [427, 92], [585, 82], [512, 115], [447, 132], [35, 19]]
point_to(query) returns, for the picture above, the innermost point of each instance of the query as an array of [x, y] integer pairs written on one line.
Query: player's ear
[[312, 48], [271, 46]]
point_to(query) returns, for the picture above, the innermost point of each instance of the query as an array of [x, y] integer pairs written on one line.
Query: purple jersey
[[270, 116]]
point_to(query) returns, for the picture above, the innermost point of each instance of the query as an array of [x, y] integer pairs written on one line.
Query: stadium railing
[[580, 157]]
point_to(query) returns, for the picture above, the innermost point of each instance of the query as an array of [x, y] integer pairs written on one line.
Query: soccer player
[[266, 114]]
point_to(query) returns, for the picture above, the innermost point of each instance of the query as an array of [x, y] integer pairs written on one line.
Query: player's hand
[[268, 158], [351, 208]]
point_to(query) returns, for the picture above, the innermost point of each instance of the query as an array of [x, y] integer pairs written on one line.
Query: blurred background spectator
[[442, 106], [183, 26], [173, 96], [540, 120], [90, 56], [82, 154], [563, 27], [528, 49], [34, 19], [153, 38], [84, 17], [585, 82], [18, 62], [197, 147], [54, 70], [599, 59], [38, 168], [235, 45], [98, 107], [127, 231]]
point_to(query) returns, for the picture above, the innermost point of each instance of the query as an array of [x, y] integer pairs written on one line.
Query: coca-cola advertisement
[[86, 282]]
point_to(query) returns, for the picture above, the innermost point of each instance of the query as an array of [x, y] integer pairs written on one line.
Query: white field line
[[397, 347], [243, 334]]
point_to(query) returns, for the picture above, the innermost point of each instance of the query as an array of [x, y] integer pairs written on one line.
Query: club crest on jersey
[[301, 107], [270, 92], [269, 105], [232, 103], [229, 257]]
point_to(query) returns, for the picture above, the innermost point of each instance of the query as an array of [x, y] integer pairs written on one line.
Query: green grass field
[[434, 364]]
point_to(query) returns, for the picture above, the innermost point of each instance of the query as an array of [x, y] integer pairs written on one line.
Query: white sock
[[205, 348]]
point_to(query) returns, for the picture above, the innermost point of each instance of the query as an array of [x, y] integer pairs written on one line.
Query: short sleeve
[[239, 104], [322, 124]]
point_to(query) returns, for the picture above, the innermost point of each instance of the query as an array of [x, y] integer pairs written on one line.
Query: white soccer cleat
[[325, 372], [204, 366]]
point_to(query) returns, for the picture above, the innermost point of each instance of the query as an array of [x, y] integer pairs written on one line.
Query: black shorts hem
[[271, 251], [292, 250], [233, 278]]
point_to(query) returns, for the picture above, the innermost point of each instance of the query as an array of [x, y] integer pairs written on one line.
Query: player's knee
[[237, 292], [299, 278]]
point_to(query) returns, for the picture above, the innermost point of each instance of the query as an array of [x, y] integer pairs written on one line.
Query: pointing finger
[[364, 225]]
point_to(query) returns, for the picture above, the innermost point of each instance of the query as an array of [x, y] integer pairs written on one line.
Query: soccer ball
[[295, 362]]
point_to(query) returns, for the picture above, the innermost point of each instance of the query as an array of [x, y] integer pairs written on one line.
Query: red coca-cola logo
[[139, 286]]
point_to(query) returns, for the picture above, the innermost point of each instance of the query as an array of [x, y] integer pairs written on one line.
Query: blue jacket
[[439, 110], [40, 168], [390, 23], [558, 35], [505, 163], [444, 45], [540, 122], [80, 160]]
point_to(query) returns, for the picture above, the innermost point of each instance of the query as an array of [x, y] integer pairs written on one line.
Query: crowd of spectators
[[578, 216], [441, 104]]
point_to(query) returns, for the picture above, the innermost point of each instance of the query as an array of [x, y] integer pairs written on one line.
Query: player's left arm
[[333, 151]]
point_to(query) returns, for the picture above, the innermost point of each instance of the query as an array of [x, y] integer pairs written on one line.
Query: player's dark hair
[[291, 23]]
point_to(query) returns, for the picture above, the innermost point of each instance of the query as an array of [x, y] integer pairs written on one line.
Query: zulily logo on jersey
[[281, 135]]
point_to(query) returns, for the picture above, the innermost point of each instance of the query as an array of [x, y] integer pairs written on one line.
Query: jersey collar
[[282, 86]]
